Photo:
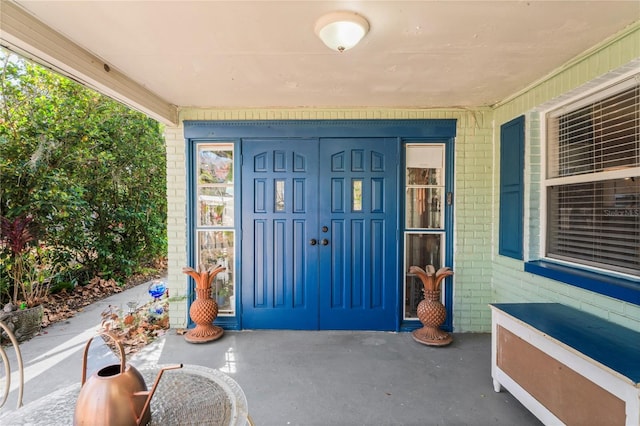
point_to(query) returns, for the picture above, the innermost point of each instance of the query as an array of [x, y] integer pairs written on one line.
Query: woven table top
[[192, 395]]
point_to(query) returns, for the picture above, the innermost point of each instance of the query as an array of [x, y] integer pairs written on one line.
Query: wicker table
[[193, 395]]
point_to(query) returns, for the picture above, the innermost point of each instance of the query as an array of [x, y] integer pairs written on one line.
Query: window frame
[[200, 228], [615, 284], [440, 231]]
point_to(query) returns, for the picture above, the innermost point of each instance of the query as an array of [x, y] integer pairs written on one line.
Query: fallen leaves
[[64, 305], [137, 328]]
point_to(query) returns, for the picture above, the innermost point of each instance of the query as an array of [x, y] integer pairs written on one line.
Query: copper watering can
[[116, 394]]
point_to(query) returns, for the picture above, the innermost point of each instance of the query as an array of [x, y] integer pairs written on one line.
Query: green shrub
[[89, 170]]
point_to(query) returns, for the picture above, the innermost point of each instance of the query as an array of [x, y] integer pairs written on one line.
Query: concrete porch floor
[[354, 378], [297, 377]]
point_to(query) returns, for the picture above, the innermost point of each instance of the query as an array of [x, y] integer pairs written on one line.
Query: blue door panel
[[377, 161], [357, 160], [358, 282], [337, 195], [378, 274], [279, 210], [279, 161], [260, 162], [343, 279], [377, 195], [299, 262], [337, 162], [299, 186], [260, 196], [280, 262], [358, 253], [336, 282], [259, 275]]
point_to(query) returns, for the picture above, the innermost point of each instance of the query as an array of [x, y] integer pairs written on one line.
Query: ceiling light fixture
[[341, 30]]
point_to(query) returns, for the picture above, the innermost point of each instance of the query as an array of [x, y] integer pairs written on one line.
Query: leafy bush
[[90, 171]]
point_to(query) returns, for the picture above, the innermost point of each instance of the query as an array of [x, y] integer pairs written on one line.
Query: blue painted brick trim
[[228, 323], [627, 290]]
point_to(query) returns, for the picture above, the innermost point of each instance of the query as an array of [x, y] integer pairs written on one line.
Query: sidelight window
[[424, 235], [215, 234]]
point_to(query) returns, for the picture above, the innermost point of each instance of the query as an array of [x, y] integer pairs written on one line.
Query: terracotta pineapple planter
[[431, 311], [203, 310]]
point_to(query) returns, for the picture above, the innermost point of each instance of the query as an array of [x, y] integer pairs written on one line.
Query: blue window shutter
[[512, 188]]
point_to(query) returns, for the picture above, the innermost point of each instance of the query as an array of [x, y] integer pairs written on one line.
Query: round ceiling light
[[341, 30]]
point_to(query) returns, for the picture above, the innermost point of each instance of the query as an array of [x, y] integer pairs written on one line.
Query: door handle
[[313, 242], [325, 242]]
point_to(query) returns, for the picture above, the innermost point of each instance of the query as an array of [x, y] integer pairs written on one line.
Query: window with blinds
[[593, 180]]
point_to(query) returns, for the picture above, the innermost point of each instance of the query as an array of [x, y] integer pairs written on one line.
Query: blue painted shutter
[[511, 188]]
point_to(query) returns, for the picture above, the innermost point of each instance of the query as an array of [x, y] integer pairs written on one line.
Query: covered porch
[[479, 64], [294, 377], [499, 70]]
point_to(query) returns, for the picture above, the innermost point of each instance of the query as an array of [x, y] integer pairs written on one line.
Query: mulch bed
[[63, 305]]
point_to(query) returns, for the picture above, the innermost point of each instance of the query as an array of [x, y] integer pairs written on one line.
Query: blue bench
[[565, 365]]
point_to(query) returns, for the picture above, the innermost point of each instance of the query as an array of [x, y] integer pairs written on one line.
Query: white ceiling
[[265, 53]]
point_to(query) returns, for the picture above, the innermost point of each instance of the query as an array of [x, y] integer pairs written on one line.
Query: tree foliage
[[89, 170]]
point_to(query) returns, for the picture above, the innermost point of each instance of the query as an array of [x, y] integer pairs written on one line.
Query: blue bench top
[[610, 344]]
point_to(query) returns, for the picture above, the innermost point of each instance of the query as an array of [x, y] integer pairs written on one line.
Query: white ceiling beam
[[24, 34]]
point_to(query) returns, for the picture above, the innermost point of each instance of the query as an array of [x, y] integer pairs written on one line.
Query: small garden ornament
[[431, 311], [204, 309]]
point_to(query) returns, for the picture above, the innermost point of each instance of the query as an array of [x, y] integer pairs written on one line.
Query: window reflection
[[356, 191], [423, 207], [215, 210], [279, 196], [217, 248], [216, 206], [424, 216], [425, 187], [215, 185], [420, 250], [216, 166], [229, 366]]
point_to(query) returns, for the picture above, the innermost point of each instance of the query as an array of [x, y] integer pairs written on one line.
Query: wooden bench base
[[559, 382]]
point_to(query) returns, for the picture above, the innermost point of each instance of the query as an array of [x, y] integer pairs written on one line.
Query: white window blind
[[593, 180]]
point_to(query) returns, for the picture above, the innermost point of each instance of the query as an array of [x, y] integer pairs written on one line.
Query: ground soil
[[65, 304]]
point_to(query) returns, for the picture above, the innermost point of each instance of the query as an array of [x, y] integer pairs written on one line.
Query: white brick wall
[[176, 226], [472, 222]]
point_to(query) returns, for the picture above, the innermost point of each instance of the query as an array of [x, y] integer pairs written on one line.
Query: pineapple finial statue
[[204, 309], [431, 311]]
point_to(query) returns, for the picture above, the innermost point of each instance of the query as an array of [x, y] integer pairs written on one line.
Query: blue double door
[[320, 234]]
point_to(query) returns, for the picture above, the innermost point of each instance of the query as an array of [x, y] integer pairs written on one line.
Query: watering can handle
[[86, 352]]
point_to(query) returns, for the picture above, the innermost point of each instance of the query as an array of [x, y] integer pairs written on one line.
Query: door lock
[[325, 229], [313, 242], [325, 242]]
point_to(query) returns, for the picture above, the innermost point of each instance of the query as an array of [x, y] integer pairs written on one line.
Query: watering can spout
[[145, 409]]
